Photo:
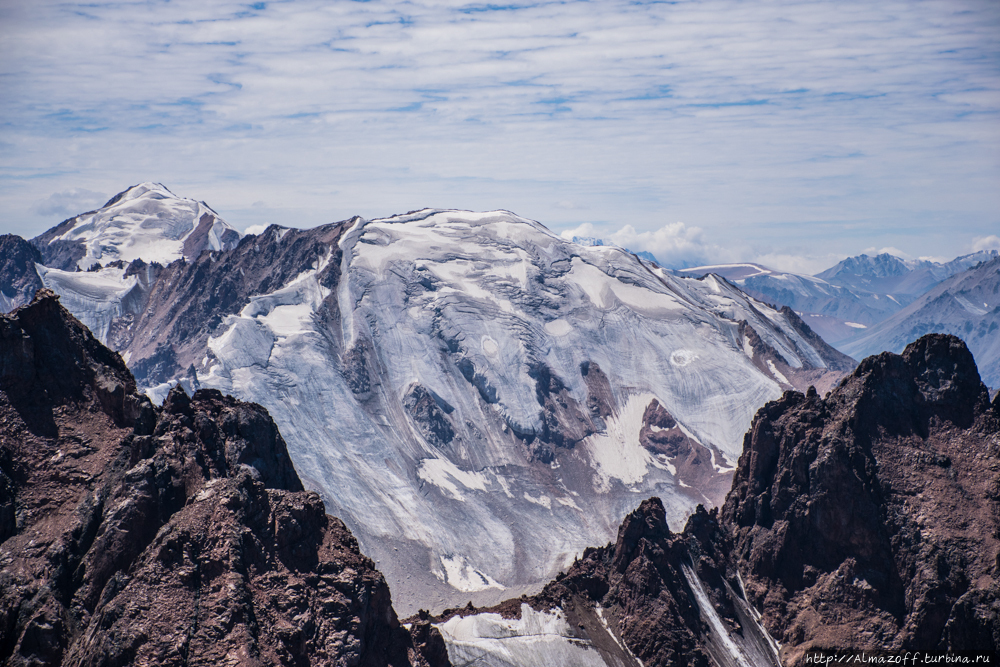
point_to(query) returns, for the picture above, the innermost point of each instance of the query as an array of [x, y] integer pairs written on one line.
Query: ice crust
[[753, 647]]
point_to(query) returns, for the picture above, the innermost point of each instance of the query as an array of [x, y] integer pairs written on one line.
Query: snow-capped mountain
[[146, 221], [844, 301], [476, 397], [966, 305]]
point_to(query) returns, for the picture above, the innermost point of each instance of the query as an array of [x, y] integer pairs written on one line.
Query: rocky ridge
[[871, 518], [865, 520], [131, 534], [18, 279]]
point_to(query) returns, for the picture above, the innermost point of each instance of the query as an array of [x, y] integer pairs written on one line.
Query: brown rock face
[[870, 519], [664, 438], [136, 535]]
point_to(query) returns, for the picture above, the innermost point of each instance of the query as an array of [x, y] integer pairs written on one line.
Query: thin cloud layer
[[991, 242], [783, 123], [69, 203]]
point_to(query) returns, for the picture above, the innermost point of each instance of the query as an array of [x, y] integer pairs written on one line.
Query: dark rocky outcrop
[[664, 438], [188, 301], [640, 593], [564, 423], [430, 414], [835, 360], [871, 519], [18, 278], [131, 534]]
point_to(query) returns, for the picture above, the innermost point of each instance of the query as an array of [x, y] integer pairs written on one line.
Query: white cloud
[[678, 246], [675, 245], [991, 242], [584, 230], [255, 229]]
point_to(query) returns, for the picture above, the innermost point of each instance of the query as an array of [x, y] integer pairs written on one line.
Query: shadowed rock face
[[18, 279], [866, 520], [177, 535], [870, 519]]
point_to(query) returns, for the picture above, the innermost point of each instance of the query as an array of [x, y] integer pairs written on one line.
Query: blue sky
[[788, 132]]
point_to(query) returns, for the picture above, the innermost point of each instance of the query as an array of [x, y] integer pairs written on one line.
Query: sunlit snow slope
[[477, 398]]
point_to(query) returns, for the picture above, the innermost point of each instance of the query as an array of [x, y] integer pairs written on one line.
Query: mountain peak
[[146, 221], [140, 189]]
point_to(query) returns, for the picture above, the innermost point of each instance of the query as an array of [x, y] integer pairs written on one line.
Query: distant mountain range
[[967, 305], [865, 305], [437, 374]]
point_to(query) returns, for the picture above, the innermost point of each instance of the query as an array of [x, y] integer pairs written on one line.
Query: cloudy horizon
[[791, 133]]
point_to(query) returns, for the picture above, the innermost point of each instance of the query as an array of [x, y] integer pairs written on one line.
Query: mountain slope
[[136, 535], [870, 519], [835, 312], [966, 305], [440, 373], [146, 221]]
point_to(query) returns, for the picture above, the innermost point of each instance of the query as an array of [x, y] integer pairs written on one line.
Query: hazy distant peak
[[879, 266]]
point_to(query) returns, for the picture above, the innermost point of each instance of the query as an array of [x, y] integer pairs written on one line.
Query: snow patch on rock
[[537, 639]]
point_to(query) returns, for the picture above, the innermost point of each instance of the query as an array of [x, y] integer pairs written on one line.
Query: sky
[[788, 132]]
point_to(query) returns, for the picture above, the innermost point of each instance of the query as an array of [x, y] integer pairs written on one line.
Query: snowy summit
[[147, 221]]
